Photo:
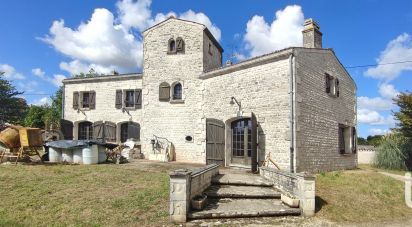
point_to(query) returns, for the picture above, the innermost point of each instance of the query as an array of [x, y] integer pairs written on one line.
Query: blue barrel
[[78, 155], [90, 156], [55, 154]]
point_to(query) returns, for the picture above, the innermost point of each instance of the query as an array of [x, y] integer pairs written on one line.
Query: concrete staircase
[[242, 195]]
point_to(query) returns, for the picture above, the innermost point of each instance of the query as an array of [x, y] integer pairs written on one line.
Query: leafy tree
[[53, 114], [404, 116], [374, 140], [91, 73], [12, 108], [362, 141], [35, 116]]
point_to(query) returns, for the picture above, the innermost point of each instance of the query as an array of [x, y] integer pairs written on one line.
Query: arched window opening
[[85, 131], [129, 130], [172, 46], [177, 91]]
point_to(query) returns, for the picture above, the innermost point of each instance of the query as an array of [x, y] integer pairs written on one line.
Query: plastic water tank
[[102, 154], [78, 155], [90, 155], [67, 155], [55, 154]]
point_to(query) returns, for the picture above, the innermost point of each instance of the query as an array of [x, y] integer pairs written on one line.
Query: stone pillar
[[179, 195], [306, 192]]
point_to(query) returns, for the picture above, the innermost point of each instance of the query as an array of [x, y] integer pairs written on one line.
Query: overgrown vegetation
[[370, 140], [360, 196], [393, 152], [404, 116]]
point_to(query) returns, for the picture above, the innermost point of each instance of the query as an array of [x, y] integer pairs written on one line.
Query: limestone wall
[[319, 114], [262, 89], [173, 120], [105, 88]]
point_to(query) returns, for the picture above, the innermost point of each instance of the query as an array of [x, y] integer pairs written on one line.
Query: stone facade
[[297, 121]]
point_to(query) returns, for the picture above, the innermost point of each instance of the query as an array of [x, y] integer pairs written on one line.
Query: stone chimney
[[312, 37]]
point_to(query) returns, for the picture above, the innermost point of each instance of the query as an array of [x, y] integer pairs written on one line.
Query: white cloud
[[106, 43], [284, 31], [378, 131], [203, 19], [76, 67], [397, 50], [99, 41], [27, 86], [388, 91], [10, 72], [56, 80], [135, 14], [38, 72], [41, 101], [376, 103], [372, 117]]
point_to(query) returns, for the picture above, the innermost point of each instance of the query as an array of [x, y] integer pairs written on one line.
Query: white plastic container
[[55, 154], [90, 155], [78, 155], [102, 154], [67, 155]]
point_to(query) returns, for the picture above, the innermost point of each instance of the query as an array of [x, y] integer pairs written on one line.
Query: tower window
[[177, 91], [172, 46]]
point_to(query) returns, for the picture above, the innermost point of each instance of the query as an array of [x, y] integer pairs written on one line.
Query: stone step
[[243, 208], [241, 179], [234, 191]]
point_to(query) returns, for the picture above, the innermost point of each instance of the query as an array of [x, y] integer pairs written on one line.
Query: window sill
[[84, 109], [347, 154], [177, 101]]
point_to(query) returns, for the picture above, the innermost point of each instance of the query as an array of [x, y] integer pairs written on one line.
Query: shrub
[[393, 152]]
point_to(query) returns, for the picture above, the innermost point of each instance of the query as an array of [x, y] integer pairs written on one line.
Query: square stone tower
[[312, 37]]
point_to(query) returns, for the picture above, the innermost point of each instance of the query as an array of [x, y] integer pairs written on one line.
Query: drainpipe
[[292, 111], [64, 88]]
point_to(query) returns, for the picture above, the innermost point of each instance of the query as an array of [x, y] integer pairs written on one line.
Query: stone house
[[298, 103]]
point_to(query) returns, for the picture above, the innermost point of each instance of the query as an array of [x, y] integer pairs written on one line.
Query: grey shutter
[[337, 87], [66, 128], [327, 83], [92, 100], [354, 140], [118, 103], [341, 139], [133, 131], [138, 99], [180, 45], [76, 100], [98, 130], [254, 143], [164, 92], [110, 131]]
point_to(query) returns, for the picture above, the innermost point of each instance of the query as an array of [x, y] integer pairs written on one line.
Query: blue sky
[[44, 41]]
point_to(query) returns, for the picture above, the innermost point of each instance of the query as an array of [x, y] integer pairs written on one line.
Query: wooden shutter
[[110, 131], [254, 143], [164, 92], [98, 130], [92, 100], [118, 101], [327, 83], [180, 45], [337, 87], [341, 135], [354, 140], [66, 128], [138, 99], [133, 131], [76, 100]]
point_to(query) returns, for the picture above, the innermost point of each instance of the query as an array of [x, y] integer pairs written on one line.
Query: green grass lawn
[[109, 195], [358, 196], [138, 195]]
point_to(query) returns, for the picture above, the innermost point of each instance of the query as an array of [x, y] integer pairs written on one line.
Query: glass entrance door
[[242, 141]]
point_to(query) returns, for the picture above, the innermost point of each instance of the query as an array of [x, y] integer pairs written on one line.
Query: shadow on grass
[[319, 203]]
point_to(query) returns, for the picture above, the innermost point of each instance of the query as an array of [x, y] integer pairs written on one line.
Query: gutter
[[292, 117]]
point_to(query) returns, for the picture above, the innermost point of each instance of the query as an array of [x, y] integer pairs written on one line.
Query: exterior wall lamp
[[233, 100]]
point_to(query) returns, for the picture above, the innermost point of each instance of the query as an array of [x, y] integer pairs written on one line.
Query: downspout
[[64, 88], [292, 111]]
